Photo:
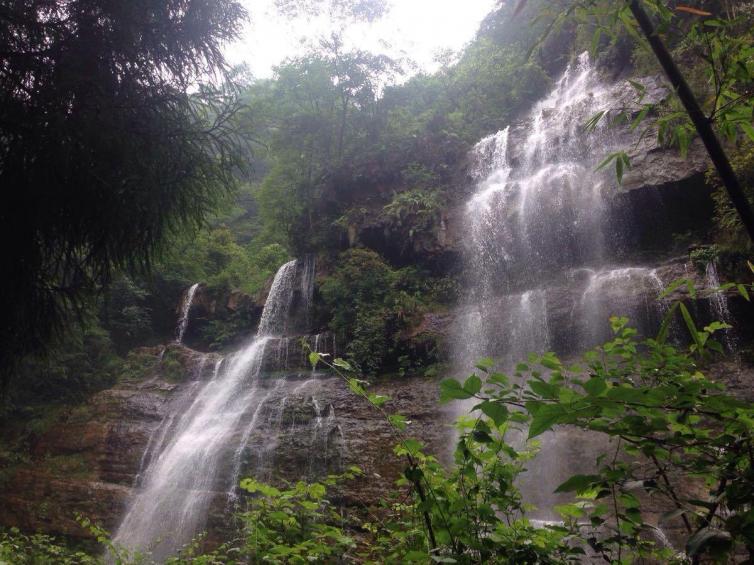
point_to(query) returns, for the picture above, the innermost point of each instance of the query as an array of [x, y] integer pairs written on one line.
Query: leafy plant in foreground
[[294, 525]]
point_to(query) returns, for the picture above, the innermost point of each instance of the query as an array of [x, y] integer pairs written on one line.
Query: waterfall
[[307, 282], [542, 257], [275, 314], [181, 480], [183, 320], [539, 237], [719, 303]]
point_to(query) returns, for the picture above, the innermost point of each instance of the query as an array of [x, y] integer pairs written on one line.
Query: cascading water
[[180, 481], [541, 255], [539, 230], [719, 303], [183, 320], [275, 314]]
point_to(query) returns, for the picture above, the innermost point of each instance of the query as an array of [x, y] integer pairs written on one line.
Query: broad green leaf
[[451, 389], [485, 364], [595, 386], [545, 418], [472, 385], [497, 378], [482, 436], [356, 387], [409, 445], [569, 510], [497, 412], [544, 389], [578, 483]]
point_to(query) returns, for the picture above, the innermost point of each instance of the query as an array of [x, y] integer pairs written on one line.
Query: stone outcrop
[[89, 458]]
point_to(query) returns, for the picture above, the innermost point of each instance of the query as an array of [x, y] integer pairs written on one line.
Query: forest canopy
[[109, 145]]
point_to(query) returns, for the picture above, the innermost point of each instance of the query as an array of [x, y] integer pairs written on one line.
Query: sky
[[418, 29]]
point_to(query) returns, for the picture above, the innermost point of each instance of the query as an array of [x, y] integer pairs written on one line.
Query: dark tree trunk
[[701, 122]]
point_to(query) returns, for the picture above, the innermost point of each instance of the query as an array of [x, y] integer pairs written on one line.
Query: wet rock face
[[306, 425], [233, 309]]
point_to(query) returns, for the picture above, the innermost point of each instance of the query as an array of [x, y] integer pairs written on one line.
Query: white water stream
[[183, 320], [184, 476], [539, 236], [541, 266]]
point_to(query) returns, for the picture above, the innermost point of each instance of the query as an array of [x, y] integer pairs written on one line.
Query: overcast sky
[[418, 29]]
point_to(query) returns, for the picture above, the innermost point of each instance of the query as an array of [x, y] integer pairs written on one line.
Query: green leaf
[[398, 421], [569, 510], [591, 125], [482, 436], [485, 364], [662, 335], [342, 364], [497, 378], [595, 386], [640, 117], [672, 515], [673, 286], [596, 41], [544, 389], [546, 416], [578, 483], [411, 446], [443, 559], [356, 387], [472, 385], [451, 389], [691, 326], [314, 359], [497, 412], [743, 292], [609, 159], [639, 87], [377, 399]]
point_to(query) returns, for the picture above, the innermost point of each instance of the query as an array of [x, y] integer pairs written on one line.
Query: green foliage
[[702, 256], [126, 314], [712, 45], [171, 367], [731, 230], [294, 525], [215, 258], [371, 304], [677, 430], [491, 83], [138, 364], [39, 549], [81, 362], [413, 212], [108, 147], [337, 132]]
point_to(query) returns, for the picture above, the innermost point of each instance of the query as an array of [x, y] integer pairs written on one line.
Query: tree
[[318, 117], [701, 122], [728, 61], [108, 145]]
